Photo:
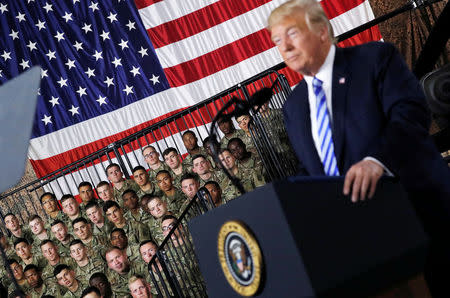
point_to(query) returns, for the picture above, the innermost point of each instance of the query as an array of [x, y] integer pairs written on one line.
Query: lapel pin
[[342, 80]]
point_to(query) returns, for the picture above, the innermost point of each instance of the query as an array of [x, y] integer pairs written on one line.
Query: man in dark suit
[[359, 112]]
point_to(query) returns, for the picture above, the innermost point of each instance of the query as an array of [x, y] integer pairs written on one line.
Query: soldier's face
[[60, 231], [151, 156], [189, 141], [36, 226], [115, 175], [215, 192], [201, 166], [119, 239], [78, 252], [92, 295], [130, 201], [243, 122], [49, 252], [225, 126], [148, 251], [70, 207], [33, 278], [105, 193], [141, 177], [117, 260], [66, 278], [82, 230], [17, 271], [164, 181], [95, 215], [139, 290], [102, 285], [227, 159], [157, 208], [3, 241], [167, 226], [189, 187], [49, 204], [237, 150], [172, 160], [23, 250], [12, 223], [114, 214], [86, 193]]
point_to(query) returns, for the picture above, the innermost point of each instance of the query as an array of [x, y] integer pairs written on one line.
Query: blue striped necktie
[[324, 131]]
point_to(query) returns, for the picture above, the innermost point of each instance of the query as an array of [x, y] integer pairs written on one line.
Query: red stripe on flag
[[144, 3], [199, 21], [219, 59], [335, 8]]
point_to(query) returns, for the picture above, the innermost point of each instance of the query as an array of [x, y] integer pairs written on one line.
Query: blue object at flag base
[[18, 99]]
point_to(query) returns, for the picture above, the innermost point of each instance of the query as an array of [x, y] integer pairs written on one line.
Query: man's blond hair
[[136, 278], [315, 17]]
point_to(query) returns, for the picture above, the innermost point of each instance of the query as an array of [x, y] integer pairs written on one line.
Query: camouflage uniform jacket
[[119, 282], [249, 179], [177, 178], [103, 231], [253, 163], [97, 247], [26, 233], [133, 253], [238, 133], [152, 191], [188, 159], [84, 273], [59, 216], [152, 173], [128, 184], [47, 272], [45, 290], [36, 246], [136, 232], [78, 292], [174, 202], [37, 260], [155, 228], [215, 176], [140, 216], [64, 249], [24, 286]]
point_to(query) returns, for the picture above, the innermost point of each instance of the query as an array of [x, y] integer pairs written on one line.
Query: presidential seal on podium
[[240, 257]]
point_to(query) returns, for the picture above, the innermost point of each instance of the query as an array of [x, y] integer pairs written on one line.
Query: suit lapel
[[315, 165], [341, 82]]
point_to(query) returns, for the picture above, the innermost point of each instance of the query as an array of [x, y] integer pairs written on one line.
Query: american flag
[[112, 67]]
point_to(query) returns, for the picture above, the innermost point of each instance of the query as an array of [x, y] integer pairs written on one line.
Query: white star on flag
[[90, 72], [97, 55], [67, 16], [20, 17], [93, 6], [46, 119], [109, 81], [48, 7], [87, 28], [70, 63], [50, 55], [128, 89], [154, 79], [81, 91], [40, 25], [78, 45], [123, 44], [32, 46], [24, 64], [62, 82], [130, 25], [59, 36], [105, 35], [143, 52], [14, 34], [54, 101], [112, 17], [116, 62], [3, 8], [44, 73], [101, 100], [6, 55], [74, 110], [135, 71]]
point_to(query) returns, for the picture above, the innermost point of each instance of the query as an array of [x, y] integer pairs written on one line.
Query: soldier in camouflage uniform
[[119, 239], [207, 148], [50, 253], [65, 277], [18, 274], [23, 251], [84, 266], [105, 192], [215, 192], [189, 185], [120, 184], [136, 231], [39, 232], [172, 195], [38, 287], [151, 157], [229, 131], [139, 287], [142, 178], [101, 226], [190, 142], [61, 234], [202, 167], [7, 247], [86, 193], [94, 244], [245, 159], [50, 204], [181, 258], [158, 208], [243, 121], [177, 168], [17, 231], [249, 178], [131, 205], [101, 282], [120, 270], [71, 210]]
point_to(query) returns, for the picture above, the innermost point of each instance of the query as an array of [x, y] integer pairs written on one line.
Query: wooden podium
[[314, 242]]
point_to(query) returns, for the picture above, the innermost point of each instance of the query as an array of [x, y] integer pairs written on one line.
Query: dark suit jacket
[[378, 110]]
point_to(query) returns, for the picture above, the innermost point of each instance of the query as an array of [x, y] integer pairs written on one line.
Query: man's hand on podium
[[362, 179]]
